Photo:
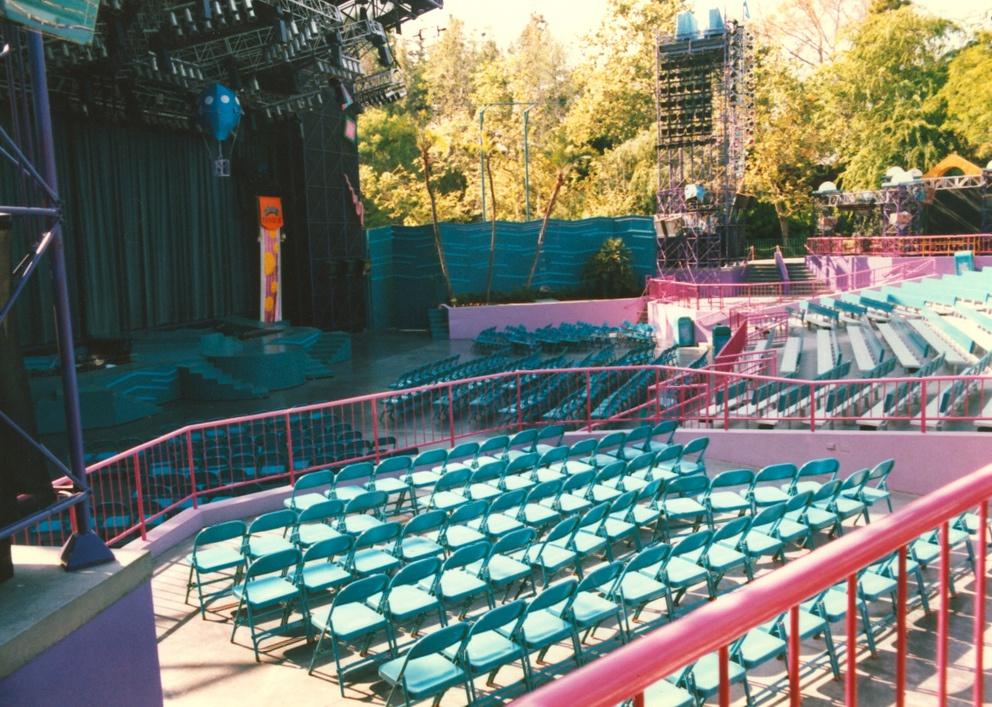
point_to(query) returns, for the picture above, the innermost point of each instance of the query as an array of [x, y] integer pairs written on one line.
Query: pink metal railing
[[628, 671], [892, 246], [138, 489]]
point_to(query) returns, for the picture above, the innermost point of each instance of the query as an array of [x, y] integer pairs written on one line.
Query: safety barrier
[[893, 246], [625, 673]]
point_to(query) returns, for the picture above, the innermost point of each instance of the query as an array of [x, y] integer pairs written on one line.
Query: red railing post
[[289, 449], [923, 405], [901, 630], [451, 413], [639, 699], [942, 616], [812, 407], [978, 691], [726, 405], [851, 621], [520, 412], [724, 660], [192, 468], [795, 696], [140, 497], [657, 395], [588, 400], [375, 431]]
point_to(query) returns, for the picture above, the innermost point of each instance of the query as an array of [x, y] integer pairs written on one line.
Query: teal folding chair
[[415, 543], [586, 541], [519, 471], [591, 606], [571, 497], [665, 464], [634, 443], [606, 483], [370, 556], [320, 570], [317, 522], [349, 481], [348, 620], [753, 542], [540, 628], [268, 533], [501, 569], [458, 531], [405, 601], [216, 558], [448, 491], [484, 481], [691, 460], [549, 438], [680, 572], [702, 678], [637, 475], [793, 527], [425, 670], [486, 649], [679, 502], [638, 585], [876, 487], [304, 495], [764, 490], [363, 512], [535, 513], [388, 477], [500, 517], [722, 496], [492, 450], [579, 457], [551, 555], [607, 449], [269, 592], [720, 559], [662, 436], [456, 585], [616, 528], [523, 442], [550, 466], [755, 648], [847, 502], [460, 457], [805, 479], [424, 472], [812, 624]]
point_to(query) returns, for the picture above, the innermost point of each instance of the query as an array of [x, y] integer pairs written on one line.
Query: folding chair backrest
[[564, 529], [279, 561], [468, 511], [856, 480], [514, 540], [595, 515], [416, 571], [362, 589], [314, 479], [604, 575], [731, 529], [425, 522], [545, 489], [467, 555], [697, 446], [329, 547], [734, 477], [433, 643], [692, 542], [613, 440], [799, 501], [488, 472], [552, 434], [687, 485], [578, 481], [453, 480], [828, 491], [637, 437], [668, 455], [366, 501], [776, 472], [555, 594], [827, 466], [377, 535], [494, 446], [463, 451], [393, 464], [508, 500], [500, 617], [611, 471], [768, 516], [222, 532], [880, 472], [664, 431], [650, 490], [648, 557], [553, 456], [430, 458], [623, 501], [353, 472], [524, 440], [582, 448], [323, 510], [273, 521], [644, 460], [523, 463]]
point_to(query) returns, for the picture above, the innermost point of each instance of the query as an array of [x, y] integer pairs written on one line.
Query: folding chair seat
[[349, 482], [456, 585], [702, 678], [425, 469], [404, 600], [539, 629], [425, 670], [268, 591], [369, 555], [820, 514], [523, 442], [678, 501], [814, 468], [691, 461], [415, 542], [485, 480], [662, 436], [380, 479], [363, 512], [720, 498], [871, 495], [501, 569], [458, 532], [754, 543], [551, 555], [448, 491], [604, 483], [500, 517], [719, 559], [486, 648], [755, 648], [217, 553], [571, 498], [665, 692], [847, 505], [304, 494], [590, 606], [518, 473], [607, 449], [492, 450], [316, 522], [319, 570], [792, 527], [639, 585], [267, 533], [349, 619], [644, 512], [586, 540], [533, 512], [550, 466], [637, 475], [763, 491], [615, 527], [681, 573], [888, 567], [579, 457]]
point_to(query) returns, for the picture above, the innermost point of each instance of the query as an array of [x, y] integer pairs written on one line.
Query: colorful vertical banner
[[270, 247]]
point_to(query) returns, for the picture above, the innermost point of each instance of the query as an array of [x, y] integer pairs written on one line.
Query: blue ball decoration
[[218, 111]]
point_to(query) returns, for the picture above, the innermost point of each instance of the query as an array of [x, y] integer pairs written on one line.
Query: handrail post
[[726, 405], [795, 696], [520, 412], [192, 469], [289, 449], [812, 408], [724, 660], [451, 413], [923, 406], [588, 400], [851, 621], [901, 600], [942, 616], [140, 496], [657, 395], [978, 691], [375, 431]]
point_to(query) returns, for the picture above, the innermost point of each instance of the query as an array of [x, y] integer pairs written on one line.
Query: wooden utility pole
[[436, 229], [559, 180]]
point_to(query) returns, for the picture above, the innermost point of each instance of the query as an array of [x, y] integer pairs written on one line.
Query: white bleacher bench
[[790, 356], [826, 350], [907, 359], [859, 343], [953, 353], [985, 424]]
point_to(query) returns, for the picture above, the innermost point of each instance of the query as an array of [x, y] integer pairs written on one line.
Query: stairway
[[761, 271], [801, 279], [203, 381]]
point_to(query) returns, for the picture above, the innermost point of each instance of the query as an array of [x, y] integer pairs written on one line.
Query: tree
[[811, 32], [609, 272], [968, 96]]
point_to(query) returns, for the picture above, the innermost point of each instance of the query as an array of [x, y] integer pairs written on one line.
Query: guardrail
[[625, 673], [138, 489], [893, 246]]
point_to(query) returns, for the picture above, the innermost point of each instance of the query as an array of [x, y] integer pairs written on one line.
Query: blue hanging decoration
[[219, 113]]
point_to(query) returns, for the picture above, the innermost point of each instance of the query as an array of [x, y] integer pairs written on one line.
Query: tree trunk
[[783, 225], [559, 180], [492, 237], [436, 229]]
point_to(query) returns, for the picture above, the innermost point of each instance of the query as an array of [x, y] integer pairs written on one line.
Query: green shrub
[[609, 272]]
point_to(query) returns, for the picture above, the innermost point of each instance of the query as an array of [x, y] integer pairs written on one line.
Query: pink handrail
[[892, 246], [629, 670]]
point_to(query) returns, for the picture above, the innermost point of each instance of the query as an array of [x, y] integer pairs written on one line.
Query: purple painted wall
[[467, 322], [110, 661]]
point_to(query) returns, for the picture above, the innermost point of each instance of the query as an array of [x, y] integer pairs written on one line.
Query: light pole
[[482, 154]]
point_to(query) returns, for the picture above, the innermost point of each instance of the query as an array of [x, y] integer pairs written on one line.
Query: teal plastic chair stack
[[425, 670], [216, 558], [269, 591], [349, 619]]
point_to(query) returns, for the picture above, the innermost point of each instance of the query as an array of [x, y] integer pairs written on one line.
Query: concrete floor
[[200, 666]]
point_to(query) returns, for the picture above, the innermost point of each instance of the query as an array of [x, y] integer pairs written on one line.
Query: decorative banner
[[270, 242], [356, 201]]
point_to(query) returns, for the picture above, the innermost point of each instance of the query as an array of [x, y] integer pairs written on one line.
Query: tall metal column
[[85, 548]]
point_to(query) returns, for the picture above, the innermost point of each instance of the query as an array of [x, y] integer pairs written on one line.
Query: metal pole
[[526, 167], [482, 163], [84, 548]]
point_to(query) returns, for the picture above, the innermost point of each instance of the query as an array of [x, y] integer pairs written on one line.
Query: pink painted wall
[[467, 322], [836, 269]]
